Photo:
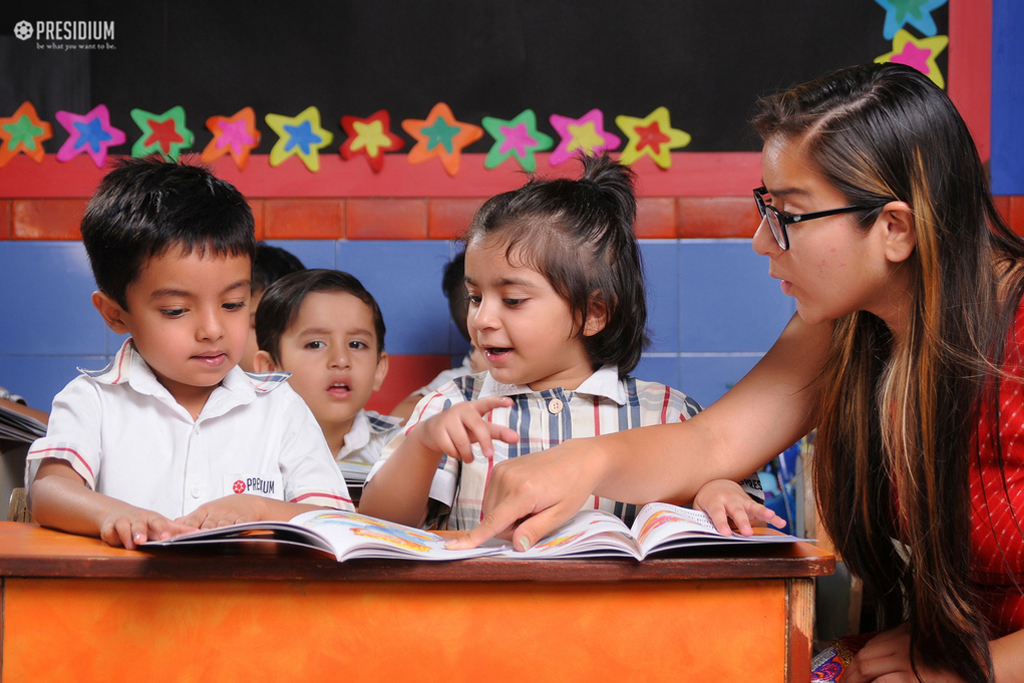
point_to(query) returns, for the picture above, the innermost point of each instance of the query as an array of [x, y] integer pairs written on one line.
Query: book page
[[591, 533], [346, 535], [662, 526], [353, 535]]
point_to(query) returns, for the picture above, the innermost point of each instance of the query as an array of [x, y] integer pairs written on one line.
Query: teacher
[[906, 355]]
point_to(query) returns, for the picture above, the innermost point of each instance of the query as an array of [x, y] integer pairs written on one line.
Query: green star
[[24, 132]]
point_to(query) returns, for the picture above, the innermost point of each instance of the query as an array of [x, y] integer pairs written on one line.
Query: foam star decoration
[[441, 135], [24, 132], [370, 137], [299, 136], [653, 136], [918, 53], [585, 135], [518, 137], [161, 133], [236, 135], [918, 13], [91, 133]]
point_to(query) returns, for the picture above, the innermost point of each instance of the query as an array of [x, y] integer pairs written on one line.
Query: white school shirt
[[602, 404], [363, 444], [123, 432]]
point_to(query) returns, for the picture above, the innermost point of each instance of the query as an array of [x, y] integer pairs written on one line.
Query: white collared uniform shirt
[[123, 432]]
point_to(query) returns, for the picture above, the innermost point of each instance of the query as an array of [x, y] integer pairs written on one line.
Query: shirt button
[[196, 491], [555, 406]]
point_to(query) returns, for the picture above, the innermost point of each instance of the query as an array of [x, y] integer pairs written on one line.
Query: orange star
[[440, 135], [24, 132], [237, 135]]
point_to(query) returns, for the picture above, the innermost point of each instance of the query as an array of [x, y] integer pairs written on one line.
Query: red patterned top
[[997, 534]]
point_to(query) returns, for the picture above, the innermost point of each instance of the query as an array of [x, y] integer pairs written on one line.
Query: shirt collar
[[604, 383], [358, 435], [128, 366]]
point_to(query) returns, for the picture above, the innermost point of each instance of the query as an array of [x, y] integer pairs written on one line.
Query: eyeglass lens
[[774, 223]]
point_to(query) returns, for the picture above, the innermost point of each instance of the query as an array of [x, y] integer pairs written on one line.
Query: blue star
[[92, 133], [918, 13], [440, 134], [302, 136]]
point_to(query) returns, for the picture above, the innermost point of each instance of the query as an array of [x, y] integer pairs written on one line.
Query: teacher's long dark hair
[[896, 421]]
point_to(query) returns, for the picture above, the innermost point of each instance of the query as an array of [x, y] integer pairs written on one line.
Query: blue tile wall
[[405, 279], [712, 309], [312, 253], [727, 302], [661, 269], [1007, 97]]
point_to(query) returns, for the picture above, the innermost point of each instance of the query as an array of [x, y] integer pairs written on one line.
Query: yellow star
[[653, 136], [919, 53], [371, 137], [299, 135]]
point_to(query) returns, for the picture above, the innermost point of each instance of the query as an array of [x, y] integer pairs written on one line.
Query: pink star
[[594, 139], [90, 133], [236, 135], [913, 56], [517, 138]]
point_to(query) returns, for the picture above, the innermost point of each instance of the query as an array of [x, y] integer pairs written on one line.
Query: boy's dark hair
[[454, 286], [579, 235], [144, 207], [271, 264], [281, 303]]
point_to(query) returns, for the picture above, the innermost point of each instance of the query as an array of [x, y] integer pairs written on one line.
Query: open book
[[591, 533]]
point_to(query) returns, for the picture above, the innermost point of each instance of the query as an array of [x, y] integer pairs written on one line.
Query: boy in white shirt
[[327, 331], [172, 436]]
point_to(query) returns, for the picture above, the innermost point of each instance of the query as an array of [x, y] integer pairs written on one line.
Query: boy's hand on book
[[128, 526], [455, 430], [725, 500], [226, 511]]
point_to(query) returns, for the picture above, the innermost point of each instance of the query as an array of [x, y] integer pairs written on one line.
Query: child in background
[[270, 265], [324, 328], [557, 306], [171, 436], [454, 287]]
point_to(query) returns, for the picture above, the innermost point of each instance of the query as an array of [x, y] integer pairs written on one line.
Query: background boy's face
[[331, 351], [188, 316]]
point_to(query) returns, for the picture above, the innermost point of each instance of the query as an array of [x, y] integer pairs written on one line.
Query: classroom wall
[[713, 309]]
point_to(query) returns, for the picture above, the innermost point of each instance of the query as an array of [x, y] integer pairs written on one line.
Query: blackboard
[[705, 60]]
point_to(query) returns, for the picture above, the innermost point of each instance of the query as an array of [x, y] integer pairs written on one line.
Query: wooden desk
[[76, 610]]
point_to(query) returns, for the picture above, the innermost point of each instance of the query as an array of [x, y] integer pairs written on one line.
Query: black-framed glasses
[[777, 220]]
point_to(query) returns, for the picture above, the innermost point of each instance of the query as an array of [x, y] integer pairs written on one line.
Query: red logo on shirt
[[239, 486]]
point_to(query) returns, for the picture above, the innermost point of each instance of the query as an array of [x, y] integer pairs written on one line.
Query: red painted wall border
[[970, 67]]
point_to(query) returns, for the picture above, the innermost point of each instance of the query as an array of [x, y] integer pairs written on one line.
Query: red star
[[651, 136], [370, 137], [165, 133]]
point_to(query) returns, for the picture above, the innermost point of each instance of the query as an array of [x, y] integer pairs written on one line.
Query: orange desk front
[[77, 610]]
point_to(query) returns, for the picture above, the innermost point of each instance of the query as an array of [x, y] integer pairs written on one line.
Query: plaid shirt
[[601, 405]]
